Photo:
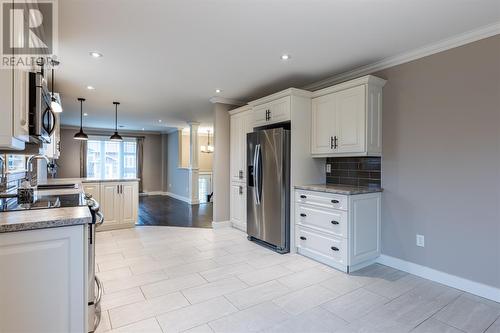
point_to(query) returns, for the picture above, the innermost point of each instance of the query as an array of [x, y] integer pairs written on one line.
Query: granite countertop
[[43, 218], [84, 180], [339, 189]]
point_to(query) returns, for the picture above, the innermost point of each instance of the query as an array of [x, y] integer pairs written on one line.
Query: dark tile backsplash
[[355, 171]]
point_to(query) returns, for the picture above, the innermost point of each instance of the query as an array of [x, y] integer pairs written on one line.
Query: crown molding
[[280, 94], [227, 101], [240, 109], [367, 79], [440, 46]]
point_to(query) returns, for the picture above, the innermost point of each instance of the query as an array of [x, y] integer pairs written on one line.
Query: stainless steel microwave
[[42, 120]]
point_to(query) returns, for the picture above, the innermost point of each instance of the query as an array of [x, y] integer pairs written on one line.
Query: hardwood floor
[[161, 210]]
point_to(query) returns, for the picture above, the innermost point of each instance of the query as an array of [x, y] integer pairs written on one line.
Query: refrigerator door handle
[[256, 174]]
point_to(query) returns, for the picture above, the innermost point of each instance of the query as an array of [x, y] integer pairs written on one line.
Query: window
[[111, 159]]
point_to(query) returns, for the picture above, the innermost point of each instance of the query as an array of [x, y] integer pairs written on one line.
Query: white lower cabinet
[[43, 280], [342, 231], [238, 205], [93, 189], [119, 202]]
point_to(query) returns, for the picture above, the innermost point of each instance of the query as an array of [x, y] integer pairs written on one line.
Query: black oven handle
[[50, 125]]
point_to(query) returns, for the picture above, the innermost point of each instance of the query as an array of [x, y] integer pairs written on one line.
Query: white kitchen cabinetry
[[119, 203], [238, 206], [347, 119], [44, 280], [14, 99], [342, 231], [272, 112], [241, 123], [93, 189]]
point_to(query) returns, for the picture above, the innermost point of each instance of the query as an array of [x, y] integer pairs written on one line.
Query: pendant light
[[81, 135], [54, 104], [208, 149], [116, 136]]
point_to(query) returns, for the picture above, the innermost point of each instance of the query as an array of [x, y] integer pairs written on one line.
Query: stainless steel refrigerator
[[268, 188]]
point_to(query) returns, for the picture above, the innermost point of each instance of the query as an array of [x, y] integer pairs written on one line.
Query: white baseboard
[[152, 193], [178, 197], [221, 224], [239, 226], [450, 280]]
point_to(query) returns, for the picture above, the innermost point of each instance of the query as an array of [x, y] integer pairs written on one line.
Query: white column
[[193, 163]]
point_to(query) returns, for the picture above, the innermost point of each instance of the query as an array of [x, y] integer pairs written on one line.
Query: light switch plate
[[420, 240], [328, 168]]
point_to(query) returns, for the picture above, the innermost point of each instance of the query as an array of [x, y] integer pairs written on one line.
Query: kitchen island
[[44, 268]]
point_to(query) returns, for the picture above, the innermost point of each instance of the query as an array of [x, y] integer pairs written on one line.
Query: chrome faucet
[[29, 166]]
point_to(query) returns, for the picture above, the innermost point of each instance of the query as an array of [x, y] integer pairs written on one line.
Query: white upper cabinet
[[272, 112], [347, 119], [14, 127], [240, 125]]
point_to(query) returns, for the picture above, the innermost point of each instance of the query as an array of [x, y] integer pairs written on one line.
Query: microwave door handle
[[50, 122]]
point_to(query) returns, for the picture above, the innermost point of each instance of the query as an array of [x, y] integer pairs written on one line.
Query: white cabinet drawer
[[321, 199], [330, 221], [332, 248]]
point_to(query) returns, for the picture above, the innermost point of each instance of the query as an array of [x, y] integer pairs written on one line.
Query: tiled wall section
[[356, 171]]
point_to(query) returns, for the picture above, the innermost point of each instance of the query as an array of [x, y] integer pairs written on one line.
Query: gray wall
[[69, 162], [441, 161], [221, 177], [177, 179]]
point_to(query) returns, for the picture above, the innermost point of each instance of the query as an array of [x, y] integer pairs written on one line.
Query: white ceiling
[[163, 59]]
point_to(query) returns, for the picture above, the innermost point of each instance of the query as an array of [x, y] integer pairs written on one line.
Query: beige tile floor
[[170, 279]]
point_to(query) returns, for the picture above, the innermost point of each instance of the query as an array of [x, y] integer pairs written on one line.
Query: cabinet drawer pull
[[303, 196], [335, 222], [303, 238], [335, 201], [334, 248], [303, 215]]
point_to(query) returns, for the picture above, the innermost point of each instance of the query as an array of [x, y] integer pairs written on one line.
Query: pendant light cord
[[116, 117]]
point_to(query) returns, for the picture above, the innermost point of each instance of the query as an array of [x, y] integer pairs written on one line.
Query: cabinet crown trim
[[367, 79], [240, 110], [228, 101], [280, 94]]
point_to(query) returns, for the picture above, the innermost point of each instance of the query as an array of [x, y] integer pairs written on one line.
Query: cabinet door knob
[[335, 222], [335, 201], [331, 142], [303, 197], [303, 238], [303, 215], [335, 145], [334, 248]]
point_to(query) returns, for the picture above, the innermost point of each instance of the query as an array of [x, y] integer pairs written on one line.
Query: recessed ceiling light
[[95, 54], [85, 114], [217, 91], [285, 56], [90, 88]]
